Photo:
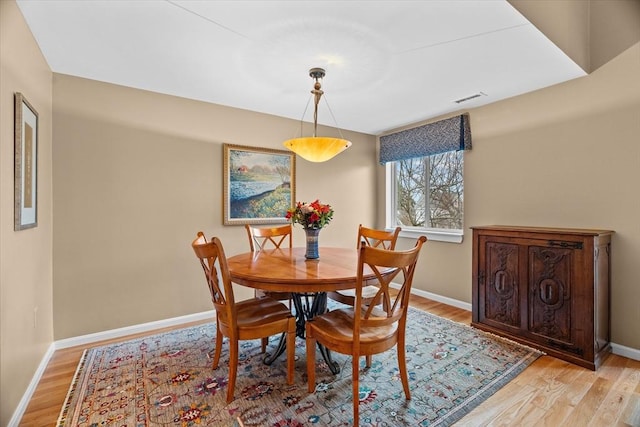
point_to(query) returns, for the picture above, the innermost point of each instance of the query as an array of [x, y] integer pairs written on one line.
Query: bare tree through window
[[429, 191]]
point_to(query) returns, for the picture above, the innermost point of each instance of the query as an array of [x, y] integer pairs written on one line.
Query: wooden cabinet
[[544, 287]]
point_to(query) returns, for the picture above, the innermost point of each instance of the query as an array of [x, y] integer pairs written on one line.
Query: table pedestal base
[[307, 306]]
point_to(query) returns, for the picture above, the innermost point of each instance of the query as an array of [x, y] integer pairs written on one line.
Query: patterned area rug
[[167, 379]]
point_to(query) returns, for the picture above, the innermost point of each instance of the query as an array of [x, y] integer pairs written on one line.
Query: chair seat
[[280, 296], [367, 292], [348, 296], [260, 311], [337, 326]]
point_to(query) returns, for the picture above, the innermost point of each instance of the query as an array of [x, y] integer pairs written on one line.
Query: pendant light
[[317, 148]]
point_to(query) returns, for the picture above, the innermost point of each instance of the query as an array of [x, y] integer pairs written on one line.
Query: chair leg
[[355, 367], [291, 351], [233, 368], [263, 344], [402, 365], [369, 358], [311, 361], [218, 350]]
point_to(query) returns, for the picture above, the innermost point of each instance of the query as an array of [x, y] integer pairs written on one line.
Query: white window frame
[[435, 234]]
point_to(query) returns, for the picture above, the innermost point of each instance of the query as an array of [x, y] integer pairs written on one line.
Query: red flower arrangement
[[314, 215]]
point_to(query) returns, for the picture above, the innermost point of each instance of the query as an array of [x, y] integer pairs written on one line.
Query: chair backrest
[[269, 237], [387, 307], [216, 271], [378, 238]]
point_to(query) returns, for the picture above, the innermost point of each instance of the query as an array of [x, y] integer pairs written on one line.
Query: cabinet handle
[[572, 245]]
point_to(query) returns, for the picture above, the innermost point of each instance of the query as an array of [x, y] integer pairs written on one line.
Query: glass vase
[[312, 243]]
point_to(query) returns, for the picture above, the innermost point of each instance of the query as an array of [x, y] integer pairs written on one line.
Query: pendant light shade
[[317, 148]]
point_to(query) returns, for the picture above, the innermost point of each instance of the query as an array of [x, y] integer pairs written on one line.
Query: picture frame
[[25, 164], [259, 184]]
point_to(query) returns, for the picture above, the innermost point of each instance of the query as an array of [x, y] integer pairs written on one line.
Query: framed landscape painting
[[259, 184], [25, 164]]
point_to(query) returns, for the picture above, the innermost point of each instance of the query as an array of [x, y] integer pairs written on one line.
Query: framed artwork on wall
[[259, 184], [25, 164]]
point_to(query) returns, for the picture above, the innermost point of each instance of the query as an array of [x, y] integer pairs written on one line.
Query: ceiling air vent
[[469, 98]]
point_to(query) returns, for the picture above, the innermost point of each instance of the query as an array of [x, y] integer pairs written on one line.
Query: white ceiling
[[389, 63]]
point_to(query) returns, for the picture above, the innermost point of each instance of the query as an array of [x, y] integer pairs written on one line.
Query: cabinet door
[[498, 288], [552, 292]]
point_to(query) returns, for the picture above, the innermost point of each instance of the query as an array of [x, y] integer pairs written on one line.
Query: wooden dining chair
[[270, 238], [245, 320], [368, 329], [375, 238]]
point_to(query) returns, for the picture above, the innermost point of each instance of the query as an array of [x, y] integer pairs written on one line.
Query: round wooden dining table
[[308, 281], [287, 270]]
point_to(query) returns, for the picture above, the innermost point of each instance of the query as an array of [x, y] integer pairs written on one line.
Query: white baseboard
[[26, 397], [439, 298], [628, 352], [135, 329]]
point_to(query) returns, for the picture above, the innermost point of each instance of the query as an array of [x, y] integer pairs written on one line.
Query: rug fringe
[[74, 382], [510, 341]]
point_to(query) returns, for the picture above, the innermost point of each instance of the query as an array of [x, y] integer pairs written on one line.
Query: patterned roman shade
[[451, 134]]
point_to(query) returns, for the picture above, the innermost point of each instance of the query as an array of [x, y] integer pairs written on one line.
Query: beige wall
[[564, 156], [25, 256], [137, 174]]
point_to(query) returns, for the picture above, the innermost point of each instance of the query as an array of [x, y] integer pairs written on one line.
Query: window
[[425, 195], [424, 185]]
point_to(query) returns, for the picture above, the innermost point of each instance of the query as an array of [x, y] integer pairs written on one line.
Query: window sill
[[449, 236]]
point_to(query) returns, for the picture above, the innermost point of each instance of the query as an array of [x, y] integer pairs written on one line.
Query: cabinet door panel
[[501, 295], [550, 289]]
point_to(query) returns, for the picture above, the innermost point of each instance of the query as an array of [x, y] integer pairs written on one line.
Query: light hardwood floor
[[548, 393]]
